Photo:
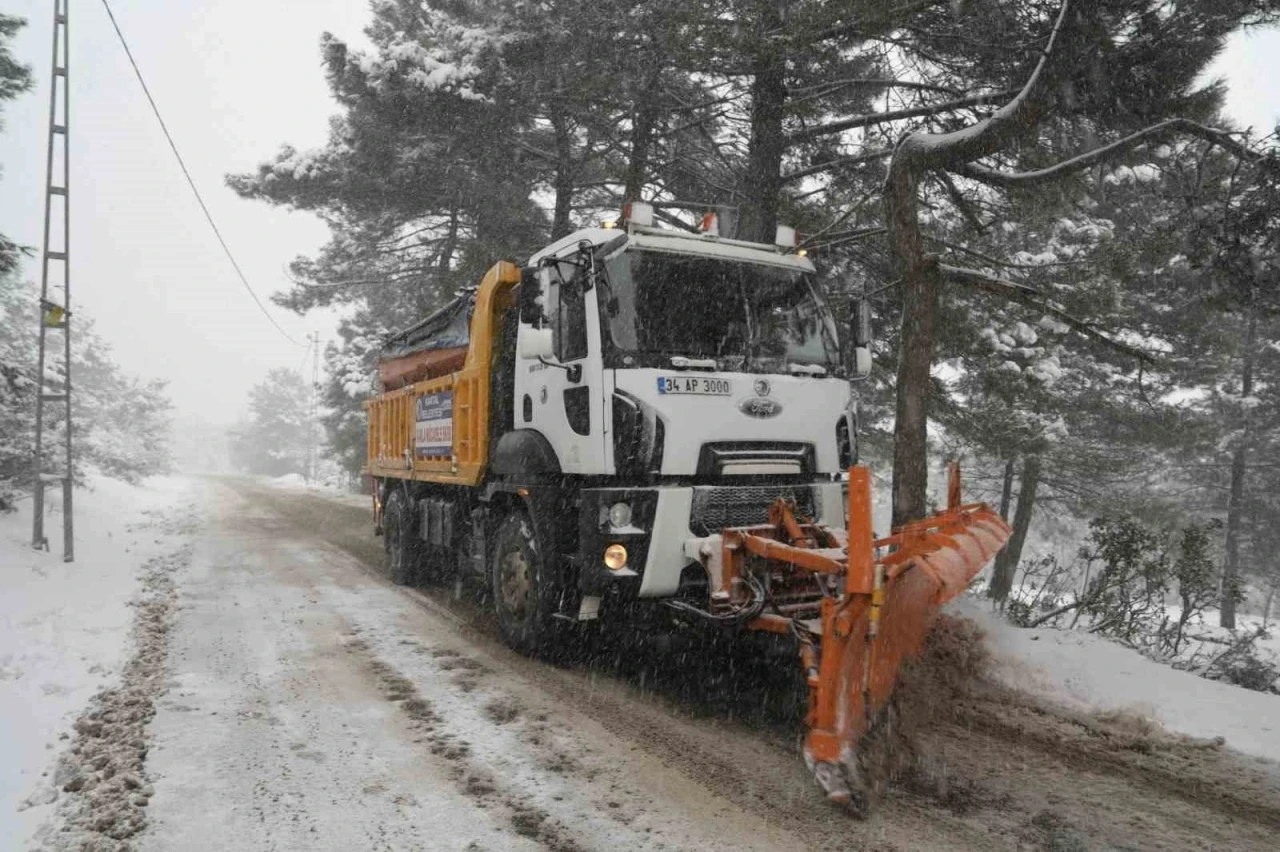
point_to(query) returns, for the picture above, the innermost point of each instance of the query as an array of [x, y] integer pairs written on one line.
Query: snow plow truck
[[642, 414]]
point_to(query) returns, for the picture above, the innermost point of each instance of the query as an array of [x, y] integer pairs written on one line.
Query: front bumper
[[671, 522]]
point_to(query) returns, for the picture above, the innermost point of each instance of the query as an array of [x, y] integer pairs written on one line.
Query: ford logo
[[758, 406]]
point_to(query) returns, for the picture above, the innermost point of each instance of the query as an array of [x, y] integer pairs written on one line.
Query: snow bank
[[64, 626], [326, 487], [1087, 672]]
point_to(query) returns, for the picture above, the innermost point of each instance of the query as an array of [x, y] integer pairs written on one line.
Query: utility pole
[[313, 456], [55, 315]]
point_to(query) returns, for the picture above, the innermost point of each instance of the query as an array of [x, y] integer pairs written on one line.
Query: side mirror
[[536, 343]]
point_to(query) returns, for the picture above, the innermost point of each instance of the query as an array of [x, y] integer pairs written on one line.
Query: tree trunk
[[763, 188], [642, 125], [920, 282], [1008, 559], [1266, 607], [919, 275], [999, 572], [561, 225], [1006, 492], [444, 261], [1239, 464]]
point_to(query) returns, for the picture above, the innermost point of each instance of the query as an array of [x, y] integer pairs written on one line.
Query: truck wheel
[[524, 593], [400, 538]]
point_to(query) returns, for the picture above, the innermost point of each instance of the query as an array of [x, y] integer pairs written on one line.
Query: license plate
[[695, 385]]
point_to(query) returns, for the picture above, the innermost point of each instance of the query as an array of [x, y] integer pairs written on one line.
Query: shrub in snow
[[1244, 663], [1121, 586]]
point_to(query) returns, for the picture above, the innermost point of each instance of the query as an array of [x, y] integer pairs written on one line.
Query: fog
[[234, 80]]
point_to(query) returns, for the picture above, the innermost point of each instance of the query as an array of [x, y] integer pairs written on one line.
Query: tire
[[525, 593], [400, 539]]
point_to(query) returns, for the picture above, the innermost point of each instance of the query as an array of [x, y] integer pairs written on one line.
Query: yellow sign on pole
[[54, 314]]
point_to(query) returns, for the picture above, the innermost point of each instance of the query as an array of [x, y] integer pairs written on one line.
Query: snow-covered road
[[312, 706], [301, 701]]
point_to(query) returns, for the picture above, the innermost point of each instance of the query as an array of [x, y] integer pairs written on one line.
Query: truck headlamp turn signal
[[615, 557]]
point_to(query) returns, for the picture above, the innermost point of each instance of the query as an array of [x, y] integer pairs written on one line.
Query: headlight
[[615, 557], [620, 515]]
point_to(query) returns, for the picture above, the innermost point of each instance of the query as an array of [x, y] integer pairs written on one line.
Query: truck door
[[560, 393]]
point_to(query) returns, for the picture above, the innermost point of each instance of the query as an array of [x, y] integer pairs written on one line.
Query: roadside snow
[[1087, 672], [290, 480], [324, 487], [64, 628]]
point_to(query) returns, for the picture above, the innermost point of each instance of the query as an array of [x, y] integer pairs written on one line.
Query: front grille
[[718, 506]]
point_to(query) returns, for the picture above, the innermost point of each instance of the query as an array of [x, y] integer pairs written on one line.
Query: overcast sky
[[234, 79]]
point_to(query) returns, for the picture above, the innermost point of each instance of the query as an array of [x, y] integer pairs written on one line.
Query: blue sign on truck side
[[433, 427]]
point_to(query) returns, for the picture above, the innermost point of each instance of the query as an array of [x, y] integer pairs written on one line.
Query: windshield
[[745, 316]]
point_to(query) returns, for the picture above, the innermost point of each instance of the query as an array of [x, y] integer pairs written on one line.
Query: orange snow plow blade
[[859, 607]]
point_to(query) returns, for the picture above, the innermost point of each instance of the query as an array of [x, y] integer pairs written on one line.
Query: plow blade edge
[[892, 588]]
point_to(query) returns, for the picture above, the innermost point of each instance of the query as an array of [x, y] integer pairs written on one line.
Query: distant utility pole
[[313, 456], [56, 315]]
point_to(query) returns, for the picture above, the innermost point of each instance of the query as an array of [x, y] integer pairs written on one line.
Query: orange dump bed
[[431, 421]]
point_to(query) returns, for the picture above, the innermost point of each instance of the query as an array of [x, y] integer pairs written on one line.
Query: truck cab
[[676, 384]]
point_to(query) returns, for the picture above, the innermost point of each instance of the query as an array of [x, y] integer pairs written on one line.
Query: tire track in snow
[[511, 752], [990, 782], [470, 775]]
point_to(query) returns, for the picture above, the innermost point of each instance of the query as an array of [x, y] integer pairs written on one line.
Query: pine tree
[[1237, 328], [121, 423], [17, 387], [920, 148], [1106, 66], [15, 79], [273, 440]]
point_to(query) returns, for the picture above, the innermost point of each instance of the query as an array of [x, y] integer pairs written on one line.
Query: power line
[[182, 164]]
